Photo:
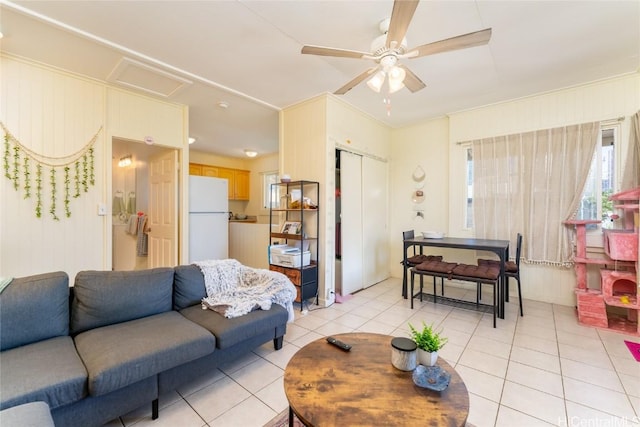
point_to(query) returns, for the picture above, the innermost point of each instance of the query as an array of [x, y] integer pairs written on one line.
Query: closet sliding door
[[364, 198], [351, 219], [375, 239]]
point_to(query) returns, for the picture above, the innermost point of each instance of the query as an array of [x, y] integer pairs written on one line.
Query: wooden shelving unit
[[303, 196]]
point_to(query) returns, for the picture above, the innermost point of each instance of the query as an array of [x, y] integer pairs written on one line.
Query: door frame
[[181, 199]]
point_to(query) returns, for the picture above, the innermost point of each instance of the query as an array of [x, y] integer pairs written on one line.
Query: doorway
[[362, 248], [131, 208]]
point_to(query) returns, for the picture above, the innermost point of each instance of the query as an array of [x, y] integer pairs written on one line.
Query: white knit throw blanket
[[234, 289]]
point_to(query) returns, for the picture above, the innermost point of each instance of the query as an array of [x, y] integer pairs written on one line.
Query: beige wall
[[259, 166], [309, 134], [303, 156], [422, 145], [55, 114], [434, 145], [355, 130]]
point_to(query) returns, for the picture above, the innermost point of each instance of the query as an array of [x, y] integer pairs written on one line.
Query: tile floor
[[538, 370]]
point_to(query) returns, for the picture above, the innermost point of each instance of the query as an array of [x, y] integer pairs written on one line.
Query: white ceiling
[[247, 53]]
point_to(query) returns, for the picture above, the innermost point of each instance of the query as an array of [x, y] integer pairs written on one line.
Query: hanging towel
[[131, 203], [143, 239], [118, 204], [132, 225]]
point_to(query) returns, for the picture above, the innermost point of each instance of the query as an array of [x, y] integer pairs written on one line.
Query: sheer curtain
[[530, 183], [631, 177]]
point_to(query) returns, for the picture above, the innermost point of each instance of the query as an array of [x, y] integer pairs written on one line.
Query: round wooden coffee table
[[326, 386]]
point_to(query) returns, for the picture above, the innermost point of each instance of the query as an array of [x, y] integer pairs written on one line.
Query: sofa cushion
[[103, 298], [34, 308], [124, 353], [34, 414], [49, 371], [188, 286], [229, 332]]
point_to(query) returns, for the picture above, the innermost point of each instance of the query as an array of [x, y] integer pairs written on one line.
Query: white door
[[163, 210], [351, 218], [375, 239]]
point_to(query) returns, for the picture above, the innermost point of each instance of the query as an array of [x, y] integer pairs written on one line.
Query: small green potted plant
[[429, 342]]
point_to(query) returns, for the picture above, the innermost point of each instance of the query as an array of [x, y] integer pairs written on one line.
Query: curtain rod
[[618, 119]]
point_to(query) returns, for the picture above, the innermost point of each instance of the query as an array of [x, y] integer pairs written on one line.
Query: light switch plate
[[102, 209]]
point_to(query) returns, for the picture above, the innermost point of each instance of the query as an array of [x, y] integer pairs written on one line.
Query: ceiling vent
[[139, 76]]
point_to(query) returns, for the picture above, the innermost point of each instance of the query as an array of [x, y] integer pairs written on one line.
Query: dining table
[[499, 247]]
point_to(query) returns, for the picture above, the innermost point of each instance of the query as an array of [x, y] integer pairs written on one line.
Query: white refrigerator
[[208, 218]]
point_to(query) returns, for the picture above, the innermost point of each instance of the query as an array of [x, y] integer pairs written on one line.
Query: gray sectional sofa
[[116, 340]]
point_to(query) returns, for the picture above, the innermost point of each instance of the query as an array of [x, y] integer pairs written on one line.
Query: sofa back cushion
[[107, 297], [34, 308], [189, 287]]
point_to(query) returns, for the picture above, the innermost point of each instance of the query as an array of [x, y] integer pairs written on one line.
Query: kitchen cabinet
[[238, 179], [211, 171], [238, 182], [299, 207], [241, 182], [195, 169], [203, 170]]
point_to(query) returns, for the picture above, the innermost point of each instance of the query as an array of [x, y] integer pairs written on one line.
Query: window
[[595, 203], [270, 199], [468, 215]]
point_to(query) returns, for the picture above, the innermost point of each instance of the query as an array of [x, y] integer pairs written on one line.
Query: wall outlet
[[102, 209]]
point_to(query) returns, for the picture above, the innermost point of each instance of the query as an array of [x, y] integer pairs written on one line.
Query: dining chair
[[511, 269], [416, 259], [406, 235]]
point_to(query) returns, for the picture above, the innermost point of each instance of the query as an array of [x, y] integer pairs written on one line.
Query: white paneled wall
[[137, 117], [55, 114], [604, 100], [248, 243]]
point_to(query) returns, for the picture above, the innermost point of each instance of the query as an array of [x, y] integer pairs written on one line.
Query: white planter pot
[[426, 358]]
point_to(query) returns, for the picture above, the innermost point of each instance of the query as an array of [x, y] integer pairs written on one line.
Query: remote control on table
[[339, 344]]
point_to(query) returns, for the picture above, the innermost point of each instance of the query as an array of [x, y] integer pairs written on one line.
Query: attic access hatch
[[143, 77]]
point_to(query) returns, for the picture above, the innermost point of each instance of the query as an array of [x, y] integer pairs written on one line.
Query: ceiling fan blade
[[330, 51], [400, 19], [353, 83], [411, 81], [477, 38]]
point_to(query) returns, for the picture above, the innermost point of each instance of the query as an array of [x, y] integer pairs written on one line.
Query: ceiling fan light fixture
[[396, 79], [375, 83]]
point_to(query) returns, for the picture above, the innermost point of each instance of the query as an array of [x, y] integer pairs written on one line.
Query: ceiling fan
[[391, 46]]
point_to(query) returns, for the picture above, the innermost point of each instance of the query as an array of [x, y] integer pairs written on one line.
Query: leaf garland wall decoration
[[78, 168]]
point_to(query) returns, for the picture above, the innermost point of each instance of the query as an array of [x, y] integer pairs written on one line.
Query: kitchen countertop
[[249, 218]]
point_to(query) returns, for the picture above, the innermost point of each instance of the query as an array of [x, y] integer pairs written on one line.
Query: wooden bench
[[482, 274]]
